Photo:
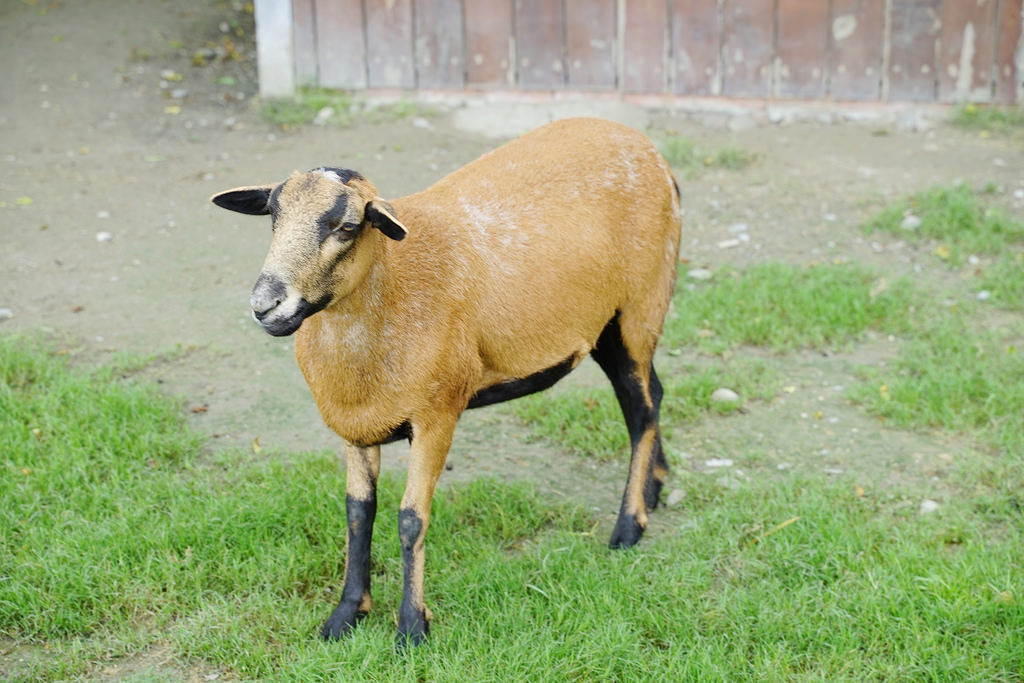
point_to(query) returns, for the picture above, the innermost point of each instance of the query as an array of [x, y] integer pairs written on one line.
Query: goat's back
[[546, 238]]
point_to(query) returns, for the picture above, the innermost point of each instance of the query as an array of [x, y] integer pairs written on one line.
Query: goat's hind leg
[[362, 468], [658, 471], [639, 393]]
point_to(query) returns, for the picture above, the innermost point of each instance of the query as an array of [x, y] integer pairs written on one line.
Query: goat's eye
[[342, 230]]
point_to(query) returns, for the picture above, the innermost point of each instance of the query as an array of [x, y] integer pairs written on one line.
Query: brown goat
[[492, 284]]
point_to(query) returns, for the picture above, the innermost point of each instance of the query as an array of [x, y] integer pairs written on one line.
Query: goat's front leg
[[362, 468], [429, 450]]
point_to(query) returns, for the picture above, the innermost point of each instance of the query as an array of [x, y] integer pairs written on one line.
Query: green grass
[[303, 108], [956, 218], [118, 534], [1004, 279], [339, 109], [955, 378], [990, 119], [588, 422], [682, 155], [785, 307], [960, 223]]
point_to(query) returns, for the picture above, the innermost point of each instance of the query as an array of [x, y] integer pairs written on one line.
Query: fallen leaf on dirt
[[200, 409], [858, 489], [23, 201], [256, 448], [943, 252], [172, 109]]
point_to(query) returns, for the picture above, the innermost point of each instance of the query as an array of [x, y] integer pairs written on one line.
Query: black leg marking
[[616, 362], [506, 391], [659, 465], [614, 359], [355, 597], [413, 623], [654, 484]]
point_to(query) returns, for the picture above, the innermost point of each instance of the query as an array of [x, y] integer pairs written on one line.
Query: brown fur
[[512, 264], [459, 306]]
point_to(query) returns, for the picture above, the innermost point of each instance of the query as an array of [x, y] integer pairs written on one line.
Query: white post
[[275, 51]]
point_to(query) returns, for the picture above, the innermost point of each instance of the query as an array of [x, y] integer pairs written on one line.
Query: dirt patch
[[120, 119]]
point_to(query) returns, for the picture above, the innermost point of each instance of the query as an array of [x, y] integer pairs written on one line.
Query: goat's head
[[320, 220]]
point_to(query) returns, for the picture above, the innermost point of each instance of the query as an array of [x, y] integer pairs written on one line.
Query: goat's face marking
[[319, 220]]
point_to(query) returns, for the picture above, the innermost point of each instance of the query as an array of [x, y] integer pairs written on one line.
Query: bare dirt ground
[[113, 135]]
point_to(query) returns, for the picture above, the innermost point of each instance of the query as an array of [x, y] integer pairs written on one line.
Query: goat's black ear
[[254, 200], [381, 215]]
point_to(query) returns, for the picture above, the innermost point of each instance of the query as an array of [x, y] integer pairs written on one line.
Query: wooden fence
[[844, 50]]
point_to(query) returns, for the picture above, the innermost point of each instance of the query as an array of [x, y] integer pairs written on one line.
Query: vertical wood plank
[[340, 48], [489, 45], [802, 48], [644, 42], [590, 32], [1009, 71], [439, 48], [304, 36], [748, 48], [275, 48], [540, 45], [965, 53], [389, 44], [912, 55], [696, 44], [858, 40]]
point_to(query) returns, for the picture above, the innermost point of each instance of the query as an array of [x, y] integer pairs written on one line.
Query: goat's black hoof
[[404, 641], [627, 532], [412, 631], [414, 638], [343, 619]]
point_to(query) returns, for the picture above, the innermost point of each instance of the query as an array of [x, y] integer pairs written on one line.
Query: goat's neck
[[351, 325]]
